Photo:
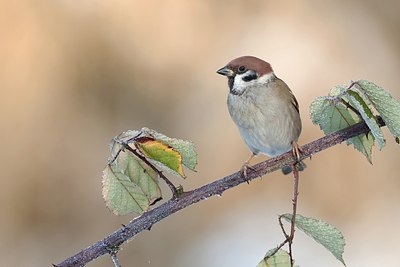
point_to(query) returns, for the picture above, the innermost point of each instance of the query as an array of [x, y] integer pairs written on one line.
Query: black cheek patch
[[230, 82], [250, 77]]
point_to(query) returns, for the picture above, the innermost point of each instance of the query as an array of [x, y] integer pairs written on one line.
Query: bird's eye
[[241, 69]]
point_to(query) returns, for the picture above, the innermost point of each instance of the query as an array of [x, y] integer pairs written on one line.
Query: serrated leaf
[[331, 116], [161, 152], [325, 234], [141, 175], [121, 195], [119, 142], [384, 103], [185, 148], [337, 90], [364, 144], [280, 259], [358, 102]]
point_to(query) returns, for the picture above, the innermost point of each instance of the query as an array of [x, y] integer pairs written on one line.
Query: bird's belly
[[265, 139]]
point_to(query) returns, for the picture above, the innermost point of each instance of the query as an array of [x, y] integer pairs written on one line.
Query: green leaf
[[319, 113], [338, 91], [325, 234], [384, 103], [358, 102], [141, 175], [159, 151], [331, 115], [128, 186], [118, 143], [364, 144], [280, 259], [185, 148]]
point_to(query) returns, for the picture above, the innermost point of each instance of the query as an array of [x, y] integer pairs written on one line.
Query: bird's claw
[[298, 165], [296, 150], [244, 169], [246, 166]]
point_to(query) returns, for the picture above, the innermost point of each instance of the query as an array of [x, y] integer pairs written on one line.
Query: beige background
[[75, 73]]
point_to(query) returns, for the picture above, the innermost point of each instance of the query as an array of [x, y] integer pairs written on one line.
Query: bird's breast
[[264, 123], [248, 111]]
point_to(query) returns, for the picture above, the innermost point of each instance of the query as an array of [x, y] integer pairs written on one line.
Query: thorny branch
[[293, 222], [289, 238], [149, 218]]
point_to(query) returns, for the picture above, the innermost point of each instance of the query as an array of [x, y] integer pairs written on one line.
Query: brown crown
[[252, 63]]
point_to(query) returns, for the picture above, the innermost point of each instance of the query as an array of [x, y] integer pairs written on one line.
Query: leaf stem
[[347, 104], [171, 186]]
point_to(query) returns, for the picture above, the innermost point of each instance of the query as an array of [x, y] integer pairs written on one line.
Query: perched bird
[[263, 108]]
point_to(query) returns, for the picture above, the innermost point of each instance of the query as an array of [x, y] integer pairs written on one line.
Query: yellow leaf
[[161, 152]]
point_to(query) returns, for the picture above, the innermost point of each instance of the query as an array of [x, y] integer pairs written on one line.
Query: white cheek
[[239, 85]]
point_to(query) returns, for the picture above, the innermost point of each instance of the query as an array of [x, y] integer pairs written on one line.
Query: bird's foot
[[296, 150], [247, 166], [244, 170], [298, 165]]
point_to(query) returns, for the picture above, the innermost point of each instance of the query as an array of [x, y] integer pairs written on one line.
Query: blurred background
[[73, 74]]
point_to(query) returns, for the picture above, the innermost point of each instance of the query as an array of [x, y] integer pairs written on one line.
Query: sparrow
[[263, 108]]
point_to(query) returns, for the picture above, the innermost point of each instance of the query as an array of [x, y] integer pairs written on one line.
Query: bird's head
[[245, 72]]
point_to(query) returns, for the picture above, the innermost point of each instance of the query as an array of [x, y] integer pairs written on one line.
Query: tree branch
[[149, 218]]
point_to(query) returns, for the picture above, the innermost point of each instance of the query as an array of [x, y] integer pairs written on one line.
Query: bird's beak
[[226, 72]]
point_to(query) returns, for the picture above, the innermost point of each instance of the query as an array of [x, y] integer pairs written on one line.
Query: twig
[[113, 250], [113, 253], [147, 219], [283, 229], [293, 221], [284, 241], [114, 259], [162, 176]]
